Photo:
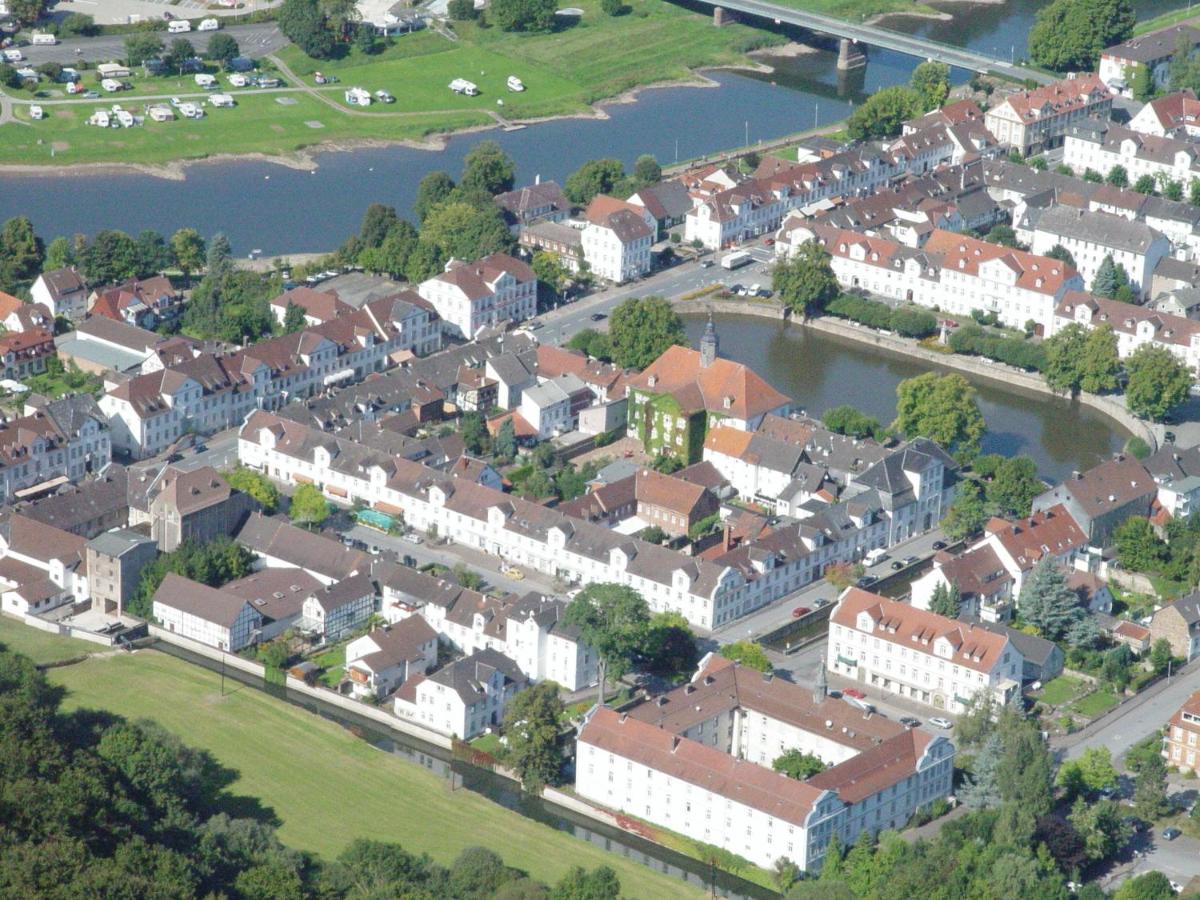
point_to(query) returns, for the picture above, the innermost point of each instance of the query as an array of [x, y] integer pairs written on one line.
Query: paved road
[[1132, 721], [1176, 859], [253, 40], [118, 12]]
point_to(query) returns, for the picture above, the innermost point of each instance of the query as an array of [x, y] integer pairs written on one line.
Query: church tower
[[709, 344]]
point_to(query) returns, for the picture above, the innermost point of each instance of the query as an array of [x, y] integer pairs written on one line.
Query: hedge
[[972, 340], [908, 321]]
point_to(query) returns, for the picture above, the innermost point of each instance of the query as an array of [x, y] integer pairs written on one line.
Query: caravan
[[43, 40], [356, 96], [99, 118], [160, 113], [36, 112], [515, 83], [224, 101], [205, 81], [462, 86], [179, 26], [208, 25]]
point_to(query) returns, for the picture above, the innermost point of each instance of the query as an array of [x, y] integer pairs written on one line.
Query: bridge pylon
[[851, 55]]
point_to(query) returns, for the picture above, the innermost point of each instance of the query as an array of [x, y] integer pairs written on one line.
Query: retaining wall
[[64, 630]]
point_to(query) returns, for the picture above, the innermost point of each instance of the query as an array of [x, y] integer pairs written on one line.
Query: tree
[[294, 319], [474, 433], [189, 251], [798, 765], [505, 445], [1118, 176], [946, 600], [1046, 602], [59, 254], [646, 170], [967, 513], [846, 419], [489, 169], [179, 54], [1099, 363], [1025, 768], [641, 329], [303, 23], [27, 12], [931, 81], [462, 231], [785, 873], [612, 620], [219, 259], [110, 258], [1161, 655], [1014, 486], [1139, 549], [1145, 185], [531, 726], [1157, 381], [434, 189], [748, 654], [1070, 34], [593, 343], [578, 884], [21, 253], [843, 574], [669, 646], [79, 24], [1064, 351], [462, 10], [549, 271], [942, 408], [1002, 234], [981, 789], [141, 46], [883, 113], [805, 282], [1093, 771], [256, 485], [612, 7], [222, 48], [1102, 826], [1062, 254], [151, 252], [309, 506], [597, 176], [1150, 790], [1147, 886], [522, 15]]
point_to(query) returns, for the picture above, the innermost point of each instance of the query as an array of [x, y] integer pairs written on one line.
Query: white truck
[[736, 260]]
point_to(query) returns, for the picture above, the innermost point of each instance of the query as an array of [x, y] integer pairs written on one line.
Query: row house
[[1154, 51], [1134, 326], [469, 297], [24, 353], [17, 315], [543, 201], [1034, 121], [913, 653], [1100, 145], [208, 615], [676, 762], [563, 241], [1091, 237], [62, 442], [318, 307], [41, 567], [1173, 115], [528, 629], [655, 499], [953, 272]]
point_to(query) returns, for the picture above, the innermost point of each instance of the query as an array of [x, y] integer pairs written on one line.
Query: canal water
[[820, 371], [462, 775]]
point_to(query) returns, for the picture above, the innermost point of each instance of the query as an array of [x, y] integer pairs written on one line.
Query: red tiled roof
[[966, 254], [678, 372]]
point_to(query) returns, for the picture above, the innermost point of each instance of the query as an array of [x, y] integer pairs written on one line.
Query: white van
[[879, 554], [179, 26], [208, 25], [43, 40], [13, 55]]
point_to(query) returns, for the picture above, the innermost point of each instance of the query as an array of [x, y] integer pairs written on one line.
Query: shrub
[[462, 10], [972, 340], [862, 310], [914, 323]]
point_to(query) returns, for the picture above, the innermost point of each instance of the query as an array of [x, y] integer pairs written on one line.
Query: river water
[[821, 371]]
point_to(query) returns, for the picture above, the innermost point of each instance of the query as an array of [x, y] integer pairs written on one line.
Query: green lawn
[[326, 786], [1059, 690], [41, 646], [1166, 20], [860, 10], [1095, 703], [333, 661]]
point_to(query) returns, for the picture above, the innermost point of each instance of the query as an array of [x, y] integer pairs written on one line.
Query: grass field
[[599, 56], [41, 646], [1165, 20], [326, 786], [1095, 703], [1059, 690], [858, 10]]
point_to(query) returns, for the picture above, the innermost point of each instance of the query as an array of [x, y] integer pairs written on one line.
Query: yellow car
[[512, 572]]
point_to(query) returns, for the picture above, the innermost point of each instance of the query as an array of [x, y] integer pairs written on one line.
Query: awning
[[388, 508], [301, 479], [336, 491], [335, 377], [41, 487]]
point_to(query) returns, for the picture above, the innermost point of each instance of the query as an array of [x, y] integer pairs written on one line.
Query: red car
[[800, 611], [770, 242], [855, 693]]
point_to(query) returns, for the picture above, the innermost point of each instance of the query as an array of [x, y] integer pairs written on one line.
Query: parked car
[[512, 572], [939, 545], [909, 560], [1169, 834], [909, 721], [412, 538], [855, 693], [867, 581], [706, 263], [800, 611], [897, 566], [940, 722], [599, 317]]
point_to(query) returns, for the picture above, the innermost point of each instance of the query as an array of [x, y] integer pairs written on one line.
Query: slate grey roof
[[118, 543], [305, 549], [1104, 229], [465, 676], [1033, 649], [199, 600]]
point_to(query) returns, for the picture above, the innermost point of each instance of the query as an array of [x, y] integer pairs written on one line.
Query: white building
[[41, 566], [1091, 237], [1154, 51], [953, 272], [897, 648], [616, 238], [552, 406], [1134, 326], [678, 761], [1174, 115], [1101, 145], [208, 615], [1034, 121], [63, 292], [491, 291], [463, 698], [382, 660]]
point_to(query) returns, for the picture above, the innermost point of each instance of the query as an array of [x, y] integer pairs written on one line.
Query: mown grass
[[1059, 690], [327, 787], [859, 10], [1166, 20], [41, 646]]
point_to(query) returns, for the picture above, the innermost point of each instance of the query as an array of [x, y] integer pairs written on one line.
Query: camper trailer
[[462, 86], [356, 96]]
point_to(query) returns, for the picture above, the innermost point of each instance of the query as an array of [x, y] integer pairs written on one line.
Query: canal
[[820, 371], [462, 775]]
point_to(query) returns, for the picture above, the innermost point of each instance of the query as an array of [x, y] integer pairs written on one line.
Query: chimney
[[727, 537]]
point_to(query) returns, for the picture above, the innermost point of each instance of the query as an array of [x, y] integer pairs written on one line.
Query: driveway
[[253, 40]]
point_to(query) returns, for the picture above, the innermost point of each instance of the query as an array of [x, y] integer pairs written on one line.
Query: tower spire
[[709, 344]]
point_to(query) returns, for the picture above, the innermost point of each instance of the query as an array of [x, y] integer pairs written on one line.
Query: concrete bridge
[[855, 37]]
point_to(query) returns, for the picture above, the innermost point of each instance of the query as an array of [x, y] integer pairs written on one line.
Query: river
[[820, 371]]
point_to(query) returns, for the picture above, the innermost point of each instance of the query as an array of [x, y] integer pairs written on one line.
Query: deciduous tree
[[1157, 381], [942, 408], [462, 231], [805, 281], [21, 253], [303, 22], [488, 168], [531, 727], [612, 620], [641, 329], [749, 654], [597, 176], [798, 764], [931, 81], [883, 113], [309, 506], [189, 251]]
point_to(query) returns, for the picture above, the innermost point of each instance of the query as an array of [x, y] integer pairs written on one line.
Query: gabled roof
[[60, 282], [678, 372], [397, 644], [199, 600], [1052, 532], [305, 549], [1108, 486]]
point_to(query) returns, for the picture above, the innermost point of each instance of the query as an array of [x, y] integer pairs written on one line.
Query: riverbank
[[974, 367]]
